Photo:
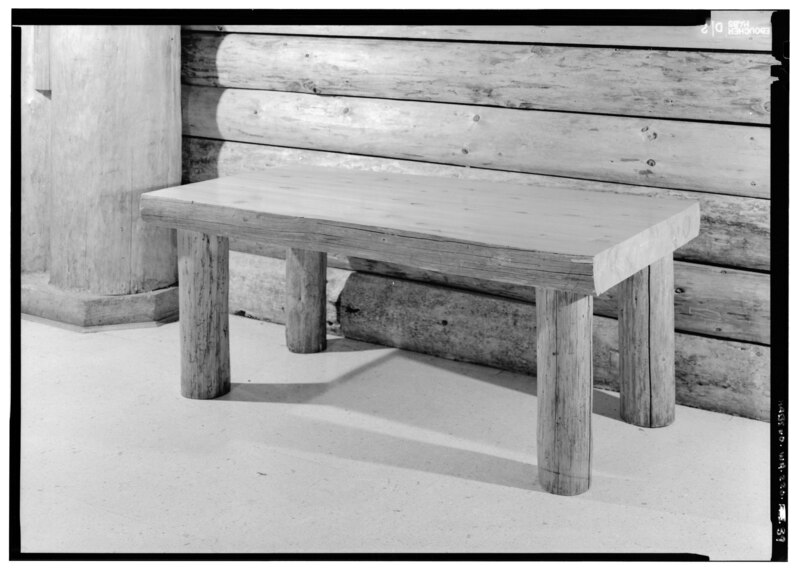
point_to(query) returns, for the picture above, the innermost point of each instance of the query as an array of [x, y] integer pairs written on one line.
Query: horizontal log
[[721, 302], [672, 84], [726, 303], [648, 36], [719, 158], [719, 375], [734, 231]]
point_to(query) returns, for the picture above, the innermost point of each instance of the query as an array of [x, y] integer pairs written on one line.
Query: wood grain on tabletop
[[734, 231], [569, 232]]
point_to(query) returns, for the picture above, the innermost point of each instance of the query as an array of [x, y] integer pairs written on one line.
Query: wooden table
[[570, 245]]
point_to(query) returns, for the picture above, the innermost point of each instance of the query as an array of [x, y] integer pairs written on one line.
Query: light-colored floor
[[358, 449]]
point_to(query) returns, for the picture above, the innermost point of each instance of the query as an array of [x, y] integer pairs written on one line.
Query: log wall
[[658, 112]]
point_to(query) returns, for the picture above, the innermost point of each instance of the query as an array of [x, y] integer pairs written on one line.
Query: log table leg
[[203, 302], [647, 346], [564, 381], [305, 300]]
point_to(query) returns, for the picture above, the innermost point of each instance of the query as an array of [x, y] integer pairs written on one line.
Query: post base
[[86, 310]]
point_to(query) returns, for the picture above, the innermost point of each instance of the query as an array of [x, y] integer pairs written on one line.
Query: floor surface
[[361, 448]]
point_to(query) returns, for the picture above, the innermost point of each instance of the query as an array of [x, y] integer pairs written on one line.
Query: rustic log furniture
[[570, 245]]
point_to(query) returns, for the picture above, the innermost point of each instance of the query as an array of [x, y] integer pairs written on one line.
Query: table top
[[597, 237]]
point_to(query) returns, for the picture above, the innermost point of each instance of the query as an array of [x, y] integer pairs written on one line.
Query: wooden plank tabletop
[[567, 239]]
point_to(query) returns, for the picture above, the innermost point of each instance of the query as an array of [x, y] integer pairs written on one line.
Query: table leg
[[647, 346], [306, 277], [564, 382], [203, 290]]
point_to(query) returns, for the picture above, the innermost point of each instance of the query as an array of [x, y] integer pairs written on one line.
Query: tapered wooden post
[[203, 288], [114, 113], [647, 346], [305, 300], [34, 157], [116, 124], [564, 381]]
